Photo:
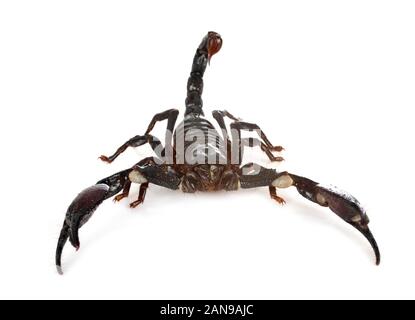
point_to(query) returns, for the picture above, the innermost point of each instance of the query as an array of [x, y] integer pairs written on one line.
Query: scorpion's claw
[[364, 229], [340, 202], [79, 212], [349, 209], [344, 205]]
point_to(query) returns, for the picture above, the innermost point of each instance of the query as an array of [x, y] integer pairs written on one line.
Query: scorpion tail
[[209, 46]]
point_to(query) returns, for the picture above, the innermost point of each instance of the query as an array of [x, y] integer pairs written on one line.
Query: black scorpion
[[195, 157]]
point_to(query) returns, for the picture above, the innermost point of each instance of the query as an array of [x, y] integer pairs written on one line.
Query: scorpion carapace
[[195, 157]]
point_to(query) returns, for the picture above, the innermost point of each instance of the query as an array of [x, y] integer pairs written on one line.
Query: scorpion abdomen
[[197, 142]]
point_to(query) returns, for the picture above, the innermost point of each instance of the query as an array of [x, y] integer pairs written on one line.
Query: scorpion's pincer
[[78, 213], [340, 202], [349, 209]]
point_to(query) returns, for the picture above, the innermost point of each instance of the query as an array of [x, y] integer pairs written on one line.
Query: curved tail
[[209, 46]]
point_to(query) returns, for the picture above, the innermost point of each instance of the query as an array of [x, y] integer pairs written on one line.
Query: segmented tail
[[210, 45]]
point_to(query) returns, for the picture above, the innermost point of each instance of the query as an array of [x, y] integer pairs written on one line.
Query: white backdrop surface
[[331, 81]]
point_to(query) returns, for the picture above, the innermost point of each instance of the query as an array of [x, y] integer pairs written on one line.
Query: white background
[[331, 81]]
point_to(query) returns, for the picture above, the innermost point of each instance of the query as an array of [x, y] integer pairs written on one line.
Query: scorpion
[[195, 157]]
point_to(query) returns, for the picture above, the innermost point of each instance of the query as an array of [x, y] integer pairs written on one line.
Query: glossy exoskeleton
[[195, 157]]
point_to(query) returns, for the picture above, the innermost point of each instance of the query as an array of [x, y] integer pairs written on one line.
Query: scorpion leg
[[156, 145], [219, 116], [141, 195], [252, 142], [273, 194], [125, 192], [135, 142], [171, 117], [340, 202], [267, 147]]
